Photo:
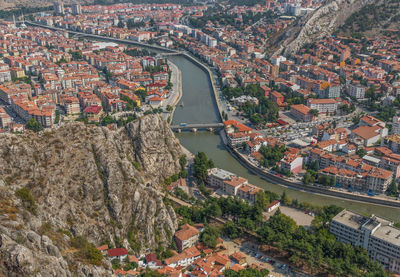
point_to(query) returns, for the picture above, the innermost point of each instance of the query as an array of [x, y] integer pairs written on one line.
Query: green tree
[[27, 199], [314, 112], [33, 125], [284, 198], [308, 178], [262, 200], [392, 189], [57, 119], [209, 236], [183, 162], [201, 166], [231, 230]]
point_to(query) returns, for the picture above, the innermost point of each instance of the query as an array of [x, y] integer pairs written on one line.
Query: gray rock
[[91, 182]]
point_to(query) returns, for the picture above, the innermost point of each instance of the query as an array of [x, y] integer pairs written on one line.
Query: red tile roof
[[115, 252]]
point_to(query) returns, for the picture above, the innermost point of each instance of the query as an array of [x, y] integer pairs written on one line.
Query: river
[[199, 107]]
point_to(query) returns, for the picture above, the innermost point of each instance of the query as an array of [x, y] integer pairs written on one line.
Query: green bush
[[86, 250], [27, 199]]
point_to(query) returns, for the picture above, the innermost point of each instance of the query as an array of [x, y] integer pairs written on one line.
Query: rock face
[[86, 181], [319, 24]]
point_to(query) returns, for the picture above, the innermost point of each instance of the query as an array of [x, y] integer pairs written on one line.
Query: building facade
[[377, 235]]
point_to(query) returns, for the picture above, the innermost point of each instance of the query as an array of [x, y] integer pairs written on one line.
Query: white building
[[396, 125], [59, 7], [357, 91], [217, 176], [76, 8], [323, 105], [375, 234]]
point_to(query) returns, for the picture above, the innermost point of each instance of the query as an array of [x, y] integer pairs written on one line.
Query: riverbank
[[308, 188], [200, 107], [175, 93], [210, 76]]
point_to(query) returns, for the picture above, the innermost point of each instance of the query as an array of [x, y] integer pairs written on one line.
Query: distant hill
[[317, 25], [373, 19]]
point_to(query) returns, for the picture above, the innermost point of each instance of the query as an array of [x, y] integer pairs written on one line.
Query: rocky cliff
[[83, 181], [317, 25]]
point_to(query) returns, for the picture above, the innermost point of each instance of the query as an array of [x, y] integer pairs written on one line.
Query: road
[[175, 93], [142, 44]]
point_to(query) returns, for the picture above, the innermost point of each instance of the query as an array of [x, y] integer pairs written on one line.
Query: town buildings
[[375, 234], [230, 184]]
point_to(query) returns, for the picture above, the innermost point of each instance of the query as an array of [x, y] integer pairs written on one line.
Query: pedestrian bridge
[[196, 127]]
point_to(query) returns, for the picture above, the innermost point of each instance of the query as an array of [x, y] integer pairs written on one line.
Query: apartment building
[[356, 90], [377, 235], [396, 125], [186, 237], [323, 105], [292, 163], [232, 185], [239, 138], [301, 112], [217, 176]]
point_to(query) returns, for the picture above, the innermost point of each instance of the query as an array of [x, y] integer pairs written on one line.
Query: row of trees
[[317, 248]]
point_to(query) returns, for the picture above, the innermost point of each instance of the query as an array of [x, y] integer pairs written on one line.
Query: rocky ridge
[[85, 181], [317, 25]]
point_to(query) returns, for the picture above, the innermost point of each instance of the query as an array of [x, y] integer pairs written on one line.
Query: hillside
[[317, 25], [373, 19], [59, 188]]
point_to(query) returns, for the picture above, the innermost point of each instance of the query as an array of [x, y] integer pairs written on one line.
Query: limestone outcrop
[[83, 181]]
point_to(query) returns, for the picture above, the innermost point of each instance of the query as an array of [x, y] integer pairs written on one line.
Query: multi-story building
[[239, 138], [323, 105], [301, 112], [327, 90], [248, 192], [393, 142], [76, 8], [232, 185], [356, 90], [217, 176], [375, 234], [378, 179], [5, 119], [396, 125], [186, 237], [292, 163], [59, 7]]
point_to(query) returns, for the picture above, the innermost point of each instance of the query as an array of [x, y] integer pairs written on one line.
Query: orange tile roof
[[187, 231]]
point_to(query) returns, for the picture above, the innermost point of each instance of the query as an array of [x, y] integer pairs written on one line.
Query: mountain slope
[[317, 25], [373, 19], [83, 181]]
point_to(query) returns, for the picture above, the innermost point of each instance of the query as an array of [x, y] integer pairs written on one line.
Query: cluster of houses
[[41, 74], [192, 255], [364, 158]]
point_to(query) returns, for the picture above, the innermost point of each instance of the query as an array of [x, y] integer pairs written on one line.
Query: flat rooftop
[[351, 219], [389, 234], [385, 231], [221, 174]]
